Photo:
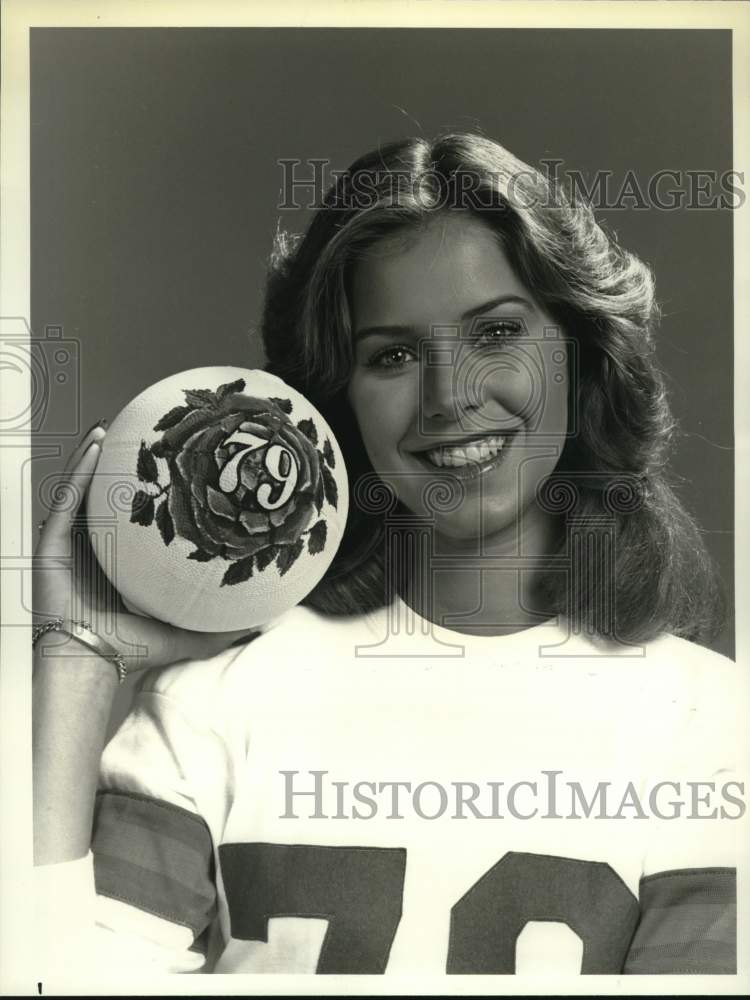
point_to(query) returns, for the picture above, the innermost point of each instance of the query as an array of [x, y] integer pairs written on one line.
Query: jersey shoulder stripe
[[688, 923], [155, 856]]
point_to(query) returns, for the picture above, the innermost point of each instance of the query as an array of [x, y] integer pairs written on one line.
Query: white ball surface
[[219, 500]]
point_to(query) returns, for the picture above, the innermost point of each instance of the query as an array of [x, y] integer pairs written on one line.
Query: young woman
[[481, 744]]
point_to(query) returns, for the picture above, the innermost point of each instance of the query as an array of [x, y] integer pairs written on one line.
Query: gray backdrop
[[155, 185]]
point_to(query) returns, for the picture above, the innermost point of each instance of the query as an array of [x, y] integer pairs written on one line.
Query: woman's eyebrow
[[408, 331], [494, 303], [384, 331]]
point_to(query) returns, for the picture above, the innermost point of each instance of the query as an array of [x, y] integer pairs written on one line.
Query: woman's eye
[[390, 358], [499, 331]]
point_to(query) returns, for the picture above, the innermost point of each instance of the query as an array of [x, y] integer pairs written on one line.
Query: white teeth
[[477, 451]]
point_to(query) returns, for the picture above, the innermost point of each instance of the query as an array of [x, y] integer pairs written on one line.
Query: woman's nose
[[443, 392]]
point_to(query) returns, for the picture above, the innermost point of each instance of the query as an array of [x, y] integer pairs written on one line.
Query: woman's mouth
[[471, 458]]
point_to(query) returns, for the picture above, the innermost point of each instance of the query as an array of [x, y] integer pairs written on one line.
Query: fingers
[[70, 487], [94, 587], [92, 434], [67, 497]]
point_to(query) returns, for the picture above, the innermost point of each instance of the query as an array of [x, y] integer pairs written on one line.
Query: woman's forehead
[[442, 269]]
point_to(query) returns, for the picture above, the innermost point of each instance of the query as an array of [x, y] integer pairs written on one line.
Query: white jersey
[[379, 795]]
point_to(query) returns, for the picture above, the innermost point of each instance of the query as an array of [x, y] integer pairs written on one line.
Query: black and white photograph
[[374, 400]]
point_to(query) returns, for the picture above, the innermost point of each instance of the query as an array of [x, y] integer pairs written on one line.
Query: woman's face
[[460, 376]]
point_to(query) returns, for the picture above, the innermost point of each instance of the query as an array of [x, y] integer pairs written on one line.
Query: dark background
[[155, 184]]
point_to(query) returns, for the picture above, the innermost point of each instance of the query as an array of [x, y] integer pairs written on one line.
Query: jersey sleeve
[[698, 830], [144, 899]]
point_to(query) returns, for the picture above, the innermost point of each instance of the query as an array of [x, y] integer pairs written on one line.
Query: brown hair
[[657, 571]]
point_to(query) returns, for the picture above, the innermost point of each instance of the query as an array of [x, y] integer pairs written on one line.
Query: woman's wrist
[[73, 690], [69, 657]]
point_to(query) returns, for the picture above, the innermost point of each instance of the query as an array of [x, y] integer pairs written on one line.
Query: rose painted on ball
[[246, 483]]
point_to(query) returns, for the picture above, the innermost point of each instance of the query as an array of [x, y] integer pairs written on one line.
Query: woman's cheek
[[517, 387], [533, 387], [385, 409]]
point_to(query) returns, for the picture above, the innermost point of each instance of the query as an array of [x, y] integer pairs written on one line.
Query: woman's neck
[[467, 587]]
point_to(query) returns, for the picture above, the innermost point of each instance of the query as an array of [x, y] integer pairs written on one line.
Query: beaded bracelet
[[82, 631]]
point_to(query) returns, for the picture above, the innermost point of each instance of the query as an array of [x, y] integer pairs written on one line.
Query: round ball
[[219, 499]]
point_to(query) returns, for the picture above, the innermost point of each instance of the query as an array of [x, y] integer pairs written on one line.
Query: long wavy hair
[[637, 564]]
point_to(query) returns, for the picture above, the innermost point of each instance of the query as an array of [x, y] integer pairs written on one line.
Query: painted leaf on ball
[[164, 522], [147, 471], [317, 538], [142, 508]]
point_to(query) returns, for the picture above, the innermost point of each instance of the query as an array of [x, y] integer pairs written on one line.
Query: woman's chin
[[473, 522]]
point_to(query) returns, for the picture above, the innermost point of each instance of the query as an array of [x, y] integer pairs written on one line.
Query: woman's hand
[[72, 693], [68, 581]]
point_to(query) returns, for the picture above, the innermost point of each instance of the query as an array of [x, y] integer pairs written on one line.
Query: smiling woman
[[510, 610], [446, 294], [450, 396]]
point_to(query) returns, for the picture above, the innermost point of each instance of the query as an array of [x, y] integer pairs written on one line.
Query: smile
[[478, 451], [470, 459]]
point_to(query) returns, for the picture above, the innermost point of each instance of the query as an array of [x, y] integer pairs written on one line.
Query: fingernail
[[100, 423]]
